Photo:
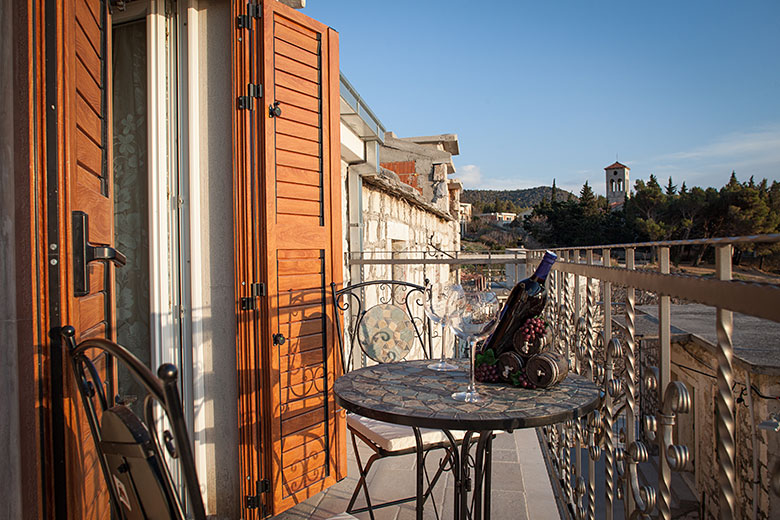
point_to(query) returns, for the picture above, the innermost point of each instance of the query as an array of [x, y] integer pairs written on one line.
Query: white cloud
[[755, 152], [761, 144], [470, 175]]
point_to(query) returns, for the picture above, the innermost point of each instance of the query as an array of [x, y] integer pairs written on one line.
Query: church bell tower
[[617, 184]]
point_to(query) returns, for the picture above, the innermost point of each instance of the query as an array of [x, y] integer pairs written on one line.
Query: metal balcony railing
[[584, 331], [634, 427]]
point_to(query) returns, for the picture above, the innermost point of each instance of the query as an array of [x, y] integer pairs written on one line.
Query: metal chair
[[135, 467], [387, 330]]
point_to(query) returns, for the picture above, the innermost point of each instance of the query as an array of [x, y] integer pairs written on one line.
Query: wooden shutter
[[79, 183], [293, 226]]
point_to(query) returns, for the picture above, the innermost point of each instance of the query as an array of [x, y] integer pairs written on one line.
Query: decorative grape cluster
[[520, 379], [532, 329], [486, 373]]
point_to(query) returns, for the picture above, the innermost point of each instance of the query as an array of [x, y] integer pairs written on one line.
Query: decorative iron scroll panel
[[617, 433]]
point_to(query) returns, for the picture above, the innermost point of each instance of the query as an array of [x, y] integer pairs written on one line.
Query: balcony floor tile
[[521, 487]]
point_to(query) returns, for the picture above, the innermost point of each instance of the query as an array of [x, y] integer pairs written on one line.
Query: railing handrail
[[468, 260], [719, 241], [456, 258], [751, 298]]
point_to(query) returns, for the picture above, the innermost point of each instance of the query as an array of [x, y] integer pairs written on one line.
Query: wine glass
[[439, 306], [476, 319]]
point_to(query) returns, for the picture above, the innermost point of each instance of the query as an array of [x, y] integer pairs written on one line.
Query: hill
[[520, 199]]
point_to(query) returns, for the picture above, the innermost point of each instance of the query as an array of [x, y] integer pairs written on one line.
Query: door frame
[[176, 293], [173, 143]]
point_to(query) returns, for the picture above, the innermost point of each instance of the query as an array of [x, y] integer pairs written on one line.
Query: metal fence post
[[725, 399], [630, 379], [664, 368], [609, 454]]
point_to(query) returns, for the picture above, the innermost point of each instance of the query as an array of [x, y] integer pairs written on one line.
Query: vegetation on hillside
[[656, 213], [479, 235], [512, 201]]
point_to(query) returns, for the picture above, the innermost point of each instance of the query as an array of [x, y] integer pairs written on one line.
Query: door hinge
[[253, 90], [249, 303], [258, 289], [255, 501], [253, 10]]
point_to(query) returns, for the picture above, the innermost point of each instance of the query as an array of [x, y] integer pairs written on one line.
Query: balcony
[[689, 364]]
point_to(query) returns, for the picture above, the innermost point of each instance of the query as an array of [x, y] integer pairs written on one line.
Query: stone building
[[501, 218], [398, 200], [618, 185]]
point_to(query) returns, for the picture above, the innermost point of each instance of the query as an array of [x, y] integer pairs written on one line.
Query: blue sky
[[555, 89]]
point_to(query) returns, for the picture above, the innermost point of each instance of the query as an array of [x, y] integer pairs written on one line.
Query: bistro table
[[410, 394]]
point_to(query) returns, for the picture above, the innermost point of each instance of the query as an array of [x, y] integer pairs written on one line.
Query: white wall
[[213, 312]]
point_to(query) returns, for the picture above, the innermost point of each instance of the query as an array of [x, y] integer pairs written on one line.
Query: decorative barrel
[[508, 363], [546, 369], [527, 348]]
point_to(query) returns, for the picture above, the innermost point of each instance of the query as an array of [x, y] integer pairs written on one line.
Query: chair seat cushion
[[396, 437]]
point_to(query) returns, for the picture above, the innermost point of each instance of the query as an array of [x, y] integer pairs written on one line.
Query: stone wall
[[394, 227]]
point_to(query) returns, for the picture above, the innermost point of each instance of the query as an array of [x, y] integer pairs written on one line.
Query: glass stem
[[472, 345], [444, 328]]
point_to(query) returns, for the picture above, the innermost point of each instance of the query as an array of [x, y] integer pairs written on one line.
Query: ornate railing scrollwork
[[676, 400], [644, 496]]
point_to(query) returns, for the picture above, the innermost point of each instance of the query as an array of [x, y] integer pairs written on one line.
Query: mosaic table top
[[409, 393]]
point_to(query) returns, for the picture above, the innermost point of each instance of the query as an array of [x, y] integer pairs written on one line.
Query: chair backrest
[[134, 465], [384, 318]]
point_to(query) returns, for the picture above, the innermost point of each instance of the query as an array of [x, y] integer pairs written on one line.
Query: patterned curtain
[[131, 181]]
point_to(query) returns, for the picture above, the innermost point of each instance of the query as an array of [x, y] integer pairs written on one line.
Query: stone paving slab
[[521, 486]]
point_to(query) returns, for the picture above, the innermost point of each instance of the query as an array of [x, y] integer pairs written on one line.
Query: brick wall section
[[406, 171]]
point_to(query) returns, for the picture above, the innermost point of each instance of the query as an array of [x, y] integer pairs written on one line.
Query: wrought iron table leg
[[480, 484], [455, 468], [463, 485], [488, 472], [420, 466], [479, 464]]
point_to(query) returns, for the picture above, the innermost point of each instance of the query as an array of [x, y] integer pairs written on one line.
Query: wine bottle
[[525, 301]]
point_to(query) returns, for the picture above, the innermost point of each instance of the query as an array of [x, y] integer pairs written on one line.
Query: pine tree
[[671, 189], [587, 198], [553, 193]]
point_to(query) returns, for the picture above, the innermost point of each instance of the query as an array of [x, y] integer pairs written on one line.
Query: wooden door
[[79, 204], [296, 237]]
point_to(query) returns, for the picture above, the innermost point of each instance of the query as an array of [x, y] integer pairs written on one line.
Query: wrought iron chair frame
[[161, 390], [404, 294]]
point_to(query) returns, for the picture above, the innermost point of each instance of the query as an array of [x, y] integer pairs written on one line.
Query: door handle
[[84, 253], [279, 339], [274, 110]]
